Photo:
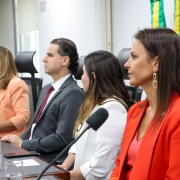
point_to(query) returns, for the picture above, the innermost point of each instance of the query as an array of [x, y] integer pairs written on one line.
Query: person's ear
[[155, 64], [94, 75], [65, 60]]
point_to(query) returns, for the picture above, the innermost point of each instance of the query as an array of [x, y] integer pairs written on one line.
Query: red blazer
[[158, 157]]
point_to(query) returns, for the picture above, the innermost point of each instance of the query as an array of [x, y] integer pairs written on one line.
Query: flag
[[157, 14], [177, 16]]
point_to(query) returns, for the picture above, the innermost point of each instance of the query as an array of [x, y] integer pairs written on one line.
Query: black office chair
[[134, 91], [24, 64], [80, 71], [122, 57]]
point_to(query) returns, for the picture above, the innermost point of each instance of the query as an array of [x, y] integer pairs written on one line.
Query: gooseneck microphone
[[94, 121]]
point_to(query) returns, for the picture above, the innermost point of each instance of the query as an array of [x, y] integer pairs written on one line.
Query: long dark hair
[[165, 44], [108, 83]]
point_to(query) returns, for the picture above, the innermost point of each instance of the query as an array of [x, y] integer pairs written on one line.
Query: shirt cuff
[[86, 168], [20, 143]]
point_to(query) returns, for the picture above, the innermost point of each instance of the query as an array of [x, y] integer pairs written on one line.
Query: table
[[30, 172]]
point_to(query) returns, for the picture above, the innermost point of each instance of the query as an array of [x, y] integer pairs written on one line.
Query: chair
[[134, 91], [122, 57], [24, 64], [80, 71]]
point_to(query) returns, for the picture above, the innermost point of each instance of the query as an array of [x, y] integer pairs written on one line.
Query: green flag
[[157, 14], [177, 16]]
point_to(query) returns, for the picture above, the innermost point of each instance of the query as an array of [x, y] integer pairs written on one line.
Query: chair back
[[122, 57], [24, 64], [34, 85], [80, 71], [134, 91]]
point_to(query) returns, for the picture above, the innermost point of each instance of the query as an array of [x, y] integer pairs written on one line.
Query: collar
[[59, 83]]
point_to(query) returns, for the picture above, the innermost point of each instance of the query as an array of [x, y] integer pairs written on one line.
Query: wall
[[27, 16], [128, 16], [80, 21], [6, 25], [77, 20]]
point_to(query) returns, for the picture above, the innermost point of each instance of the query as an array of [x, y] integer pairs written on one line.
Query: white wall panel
[[6, 25], [128, 16], [26, 16], [78, 20]]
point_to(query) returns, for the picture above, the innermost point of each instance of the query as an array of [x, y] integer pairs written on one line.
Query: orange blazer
[[158, 157], [14, 105]]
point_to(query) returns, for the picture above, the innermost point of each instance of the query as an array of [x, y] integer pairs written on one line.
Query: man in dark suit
[[57, 109]]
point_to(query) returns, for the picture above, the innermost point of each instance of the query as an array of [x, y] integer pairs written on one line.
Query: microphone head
[[97, 118]]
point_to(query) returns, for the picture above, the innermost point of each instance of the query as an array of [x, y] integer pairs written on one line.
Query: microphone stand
[[64, 150]]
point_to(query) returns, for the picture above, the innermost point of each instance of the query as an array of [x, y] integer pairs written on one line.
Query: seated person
[[53, 121], [151, 141], [94, 153], [14, 97]]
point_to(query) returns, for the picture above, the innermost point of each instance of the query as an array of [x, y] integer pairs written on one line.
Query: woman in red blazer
[[151, 142]]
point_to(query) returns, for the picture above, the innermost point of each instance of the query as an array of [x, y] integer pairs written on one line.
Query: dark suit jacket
[[158, 155], [53, 131]]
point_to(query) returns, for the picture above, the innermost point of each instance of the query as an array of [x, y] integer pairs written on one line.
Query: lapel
[[40, 100], [81, 147], [63, 86], [82, 143], [130, 131]]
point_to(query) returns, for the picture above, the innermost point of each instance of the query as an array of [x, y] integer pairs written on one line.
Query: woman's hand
[[62, 167], [68, 162]]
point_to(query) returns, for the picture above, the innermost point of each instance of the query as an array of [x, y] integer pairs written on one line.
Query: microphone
[[97, 118], [94, 122]]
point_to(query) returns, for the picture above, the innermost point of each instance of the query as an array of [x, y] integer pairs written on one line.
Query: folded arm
[[19, 102]]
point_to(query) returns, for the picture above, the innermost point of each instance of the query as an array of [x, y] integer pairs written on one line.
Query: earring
[[154, 80]]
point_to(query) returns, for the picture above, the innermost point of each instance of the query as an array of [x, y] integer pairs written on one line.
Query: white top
[[96, 151]]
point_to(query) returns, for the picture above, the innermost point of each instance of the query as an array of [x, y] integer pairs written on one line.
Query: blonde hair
[[7, 67], [86, 108]]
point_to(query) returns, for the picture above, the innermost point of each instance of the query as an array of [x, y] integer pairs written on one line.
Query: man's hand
[[13, 139]]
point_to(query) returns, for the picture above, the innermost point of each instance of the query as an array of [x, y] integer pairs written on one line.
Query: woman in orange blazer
[[14, 97], [151, 142]]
